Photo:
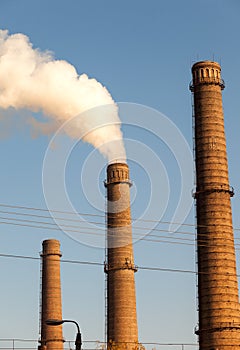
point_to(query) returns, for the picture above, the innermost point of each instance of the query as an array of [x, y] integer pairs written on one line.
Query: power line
[[28, 224], [82, 232], [95, 263], [89, 228], [101, 215], [94, 228], [62, 260], [90, 222], [96, 223], [84, 214], [55, 227]]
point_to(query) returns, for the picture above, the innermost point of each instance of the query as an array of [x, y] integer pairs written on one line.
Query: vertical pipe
[[219, 312], [51, 336], [122, 330]]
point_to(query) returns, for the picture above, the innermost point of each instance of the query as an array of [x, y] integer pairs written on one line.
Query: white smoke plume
[[34, 80]]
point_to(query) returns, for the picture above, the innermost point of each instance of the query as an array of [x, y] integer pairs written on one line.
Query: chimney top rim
[[51, 241], [206, 64], [116, 164]]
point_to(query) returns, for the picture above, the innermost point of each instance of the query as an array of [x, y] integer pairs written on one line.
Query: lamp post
[[78, 341]]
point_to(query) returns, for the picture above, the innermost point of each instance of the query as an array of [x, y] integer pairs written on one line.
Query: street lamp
[[78, 341]]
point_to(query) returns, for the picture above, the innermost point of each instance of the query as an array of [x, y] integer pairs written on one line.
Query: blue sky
[[142, 51]]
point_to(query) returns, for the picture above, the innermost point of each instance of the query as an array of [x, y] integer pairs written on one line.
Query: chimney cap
[[117, 173], [205, 64], [51, 247]]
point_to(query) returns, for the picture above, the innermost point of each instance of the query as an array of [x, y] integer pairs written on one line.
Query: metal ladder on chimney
[[193, 194], [106, 275], [40, 299]]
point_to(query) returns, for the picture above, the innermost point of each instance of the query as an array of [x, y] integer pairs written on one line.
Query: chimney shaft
[[121, 299], [51, 336], [219, 312]]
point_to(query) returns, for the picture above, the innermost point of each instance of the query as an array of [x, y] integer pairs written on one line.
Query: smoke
[[34, 80]]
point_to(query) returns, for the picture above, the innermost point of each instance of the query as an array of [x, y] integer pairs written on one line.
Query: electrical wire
[[98, 223], [82, 232], [27, 224], [91, 222], [90, 228], [95, 263], [55, 227], [101, 215], [100, 232]]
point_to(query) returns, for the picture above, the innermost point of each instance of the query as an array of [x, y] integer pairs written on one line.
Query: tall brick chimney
[[51, 308], [122, 330], [219, 311]]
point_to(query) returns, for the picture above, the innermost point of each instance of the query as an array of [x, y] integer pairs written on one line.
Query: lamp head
[[54, 322]]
